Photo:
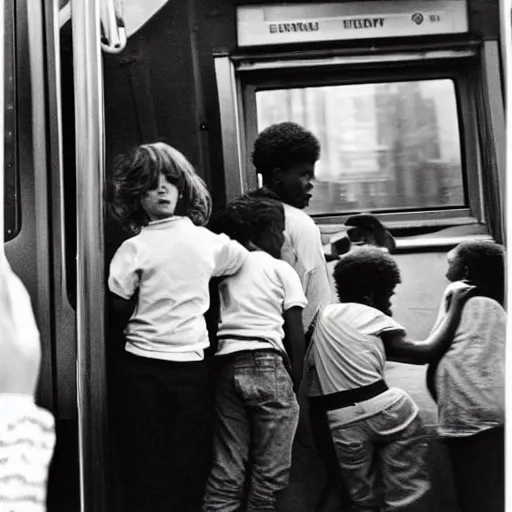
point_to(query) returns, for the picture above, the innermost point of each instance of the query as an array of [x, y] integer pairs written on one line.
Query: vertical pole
[[89, 124], [2, 106]]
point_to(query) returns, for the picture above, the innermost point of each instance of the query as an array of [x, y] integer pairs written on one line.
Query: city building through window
[[385, 146]]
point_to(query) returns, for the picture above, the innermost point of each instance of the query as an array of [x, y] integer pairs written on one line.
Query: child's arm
[[423, 352], [123, 282], [229, 256], [294, 342]]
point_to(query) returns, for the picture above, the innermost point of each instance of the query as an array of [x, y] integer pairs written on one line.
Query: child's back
[[170, 262], [377, 433], [159, 279], [253, 301], [469, 379], [261, 346]]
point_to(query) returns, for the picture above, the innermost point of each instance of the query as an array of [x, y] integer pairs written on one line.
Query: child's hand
[[20, 351], [459, 296]]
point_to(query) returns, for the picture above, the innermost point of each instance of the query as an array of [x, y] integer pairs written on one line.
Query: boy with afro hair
[[285, 155], [377, 434]]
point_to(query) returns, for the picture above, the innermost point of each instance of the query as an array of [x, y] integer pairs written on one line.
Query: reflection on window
[[387, 146]]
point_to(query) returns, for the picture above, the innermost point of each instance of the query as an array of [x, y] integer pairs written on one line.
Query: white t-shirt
[[303, 250], [253, 302], [349, 353], [470, 378], [170, 263]]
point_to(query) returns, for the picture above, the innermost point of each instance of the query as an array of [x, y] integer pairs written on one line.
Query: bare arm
[[294, 342], [433, 348]]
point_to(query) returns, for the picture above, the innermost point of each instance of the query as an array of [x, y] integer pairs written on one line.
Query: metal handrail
[[113, 30], [91, 375], [2, 46]]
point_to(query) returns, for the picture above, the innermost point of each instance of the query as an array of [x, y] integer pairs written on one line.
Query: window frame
[[12, 204], [458, 67]]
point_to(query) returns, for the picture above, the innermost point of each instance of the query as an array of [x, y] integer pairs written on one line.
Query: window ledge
[[439, 239]]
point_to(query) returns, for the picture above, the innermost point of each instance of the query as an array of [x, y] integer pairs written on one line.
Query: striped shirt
[[27, 439], [470, 378]]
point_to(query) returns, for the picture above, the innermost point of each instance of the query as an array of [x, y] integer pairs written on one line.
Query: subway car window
[[390, 146], [12, 213]]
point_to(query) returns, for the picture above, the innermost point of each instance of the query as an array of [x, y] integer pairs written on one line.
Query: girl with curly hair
[[376, 433], [161, 276]]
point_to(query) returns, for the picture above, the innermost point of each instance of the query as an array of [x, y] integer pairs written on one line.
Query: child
[[261, 350], [285, 155], [377, 433], [162, 401], [468, 381]]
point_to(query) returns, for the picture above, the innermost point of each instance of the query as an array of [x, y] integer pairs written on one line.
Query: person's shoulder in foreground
[[27, 435]]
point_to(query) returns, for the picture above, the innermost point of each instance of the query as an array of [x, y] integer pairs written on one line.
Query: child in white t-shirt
[[162, 392], [285, 155], [260, 356], [377, 433]]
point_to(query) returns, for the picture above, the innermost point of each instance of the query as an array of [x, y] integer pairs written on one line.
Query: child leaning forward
[[162, 399], [376, 431], [261, 349]]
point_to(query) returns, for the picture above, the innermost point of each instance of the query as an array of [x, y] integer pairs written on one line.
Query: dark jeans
[[325, 447], [162, 427], [256, 418], [478, 465]]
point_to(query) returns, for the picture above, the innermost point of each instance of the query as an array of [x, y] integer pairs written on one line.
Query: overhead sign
[[296, 23]]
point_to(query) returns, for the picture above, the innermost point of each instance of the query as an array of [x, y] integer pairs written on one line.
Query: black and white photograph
[[255, 255]]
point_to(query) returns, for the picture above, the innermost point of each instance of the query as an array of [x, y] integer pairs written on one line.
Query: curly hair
[[283, 145], [250, 218], [485, 263], [365, 272], [138, 171]]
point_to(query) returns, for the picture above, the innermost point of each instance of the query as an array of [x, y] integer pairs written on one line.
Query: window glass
[[385, 146]]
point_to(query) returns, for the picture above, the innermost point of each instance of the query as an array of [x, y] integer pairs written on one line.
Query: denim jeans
[[256, 418], [384, 469]]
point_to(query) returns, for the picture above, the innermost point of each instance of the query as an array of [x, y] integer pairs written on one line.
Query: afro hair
[[365, 272], [284, 145], [485, 263]]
